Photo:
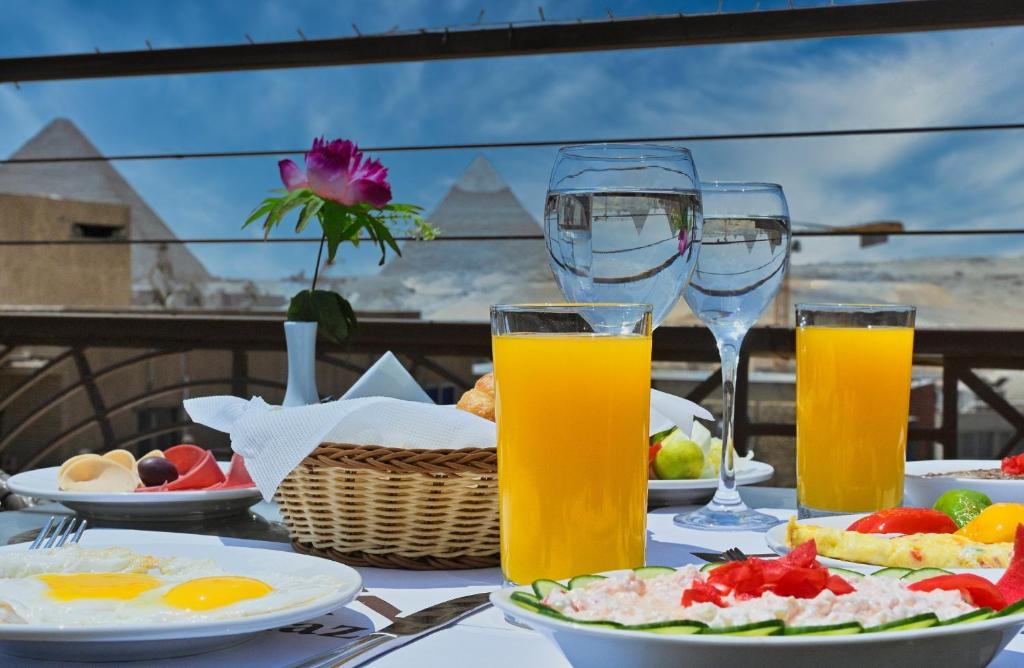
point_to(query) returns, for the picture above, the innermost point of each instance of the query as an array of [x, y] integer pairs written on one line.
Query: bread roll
[[480, 399]]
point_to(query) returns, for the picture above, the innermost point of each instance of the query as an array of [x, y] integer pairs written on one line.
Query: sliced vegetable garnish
[[845, 572], [772, 627], [975, 589], [1012, 583], [923, 574], [847, 629], [544, 587], [908, 624], [680, 628], [972, 616], [895, 572], [905, 521], [584, 580], [1013, 465]]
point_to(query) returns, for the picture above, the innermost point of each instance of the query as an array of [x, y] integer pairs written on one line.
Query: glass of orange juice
[[852, 406], [572, 386]]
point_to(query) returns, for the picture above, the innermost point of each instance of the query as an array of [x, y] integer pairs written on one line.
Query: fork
[[61, 533]]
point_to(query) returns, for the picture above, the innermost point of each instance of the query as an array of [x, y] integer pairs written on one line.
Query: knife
[[402, 631]]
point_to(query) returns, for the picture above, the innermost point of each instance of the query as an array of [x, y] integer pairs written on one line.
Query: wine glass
[[622, 223], [743, 259]]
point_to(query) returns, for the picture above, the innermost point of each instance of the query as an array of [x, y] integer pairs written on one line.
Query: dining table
[[484, 638]]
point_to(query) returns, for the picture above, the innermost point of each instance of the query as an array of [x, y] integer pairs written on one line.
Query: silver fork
[[61, 533]]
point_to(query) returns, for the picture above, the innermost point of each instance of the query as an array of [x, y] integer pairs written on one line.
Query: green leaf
[[265, 206], [312, 207], [334, 315]]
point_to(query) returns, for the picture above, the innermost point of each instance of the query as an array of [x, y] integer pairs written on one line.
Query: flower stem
[[319, 255]]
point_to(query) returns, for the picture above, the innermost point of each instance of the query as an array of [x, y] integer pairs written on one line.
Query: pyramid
[[95, 182], [480, 203]]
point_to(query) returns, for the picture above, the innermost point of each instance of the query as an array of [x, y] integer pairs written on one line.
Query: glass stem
[[726, 497]]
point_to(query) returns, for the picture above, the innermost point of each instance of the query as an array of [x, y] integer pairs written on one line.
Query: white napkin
[[384, 407]]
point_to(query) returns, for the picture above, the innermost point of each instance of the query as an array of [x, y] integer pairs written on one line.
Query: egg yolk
[[120, 586], [996, 524], [215, 592]]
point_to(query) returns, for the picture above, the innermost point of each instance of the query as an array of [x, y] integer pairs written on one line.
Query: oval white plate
[[922, 492], [183, 505], [690, 492], [149, 641], [973, 644]]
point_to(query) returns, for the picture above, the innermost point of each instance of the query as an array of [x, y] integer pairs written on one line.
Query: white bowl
[[972, 644], [921, 492]]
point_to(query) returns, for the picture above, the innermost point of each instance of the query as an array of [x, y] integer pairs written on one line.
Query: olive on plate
[[155, 471]]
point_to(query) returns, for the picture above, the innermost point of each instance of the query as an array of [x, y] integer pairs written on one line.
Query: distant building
[[163, 275]]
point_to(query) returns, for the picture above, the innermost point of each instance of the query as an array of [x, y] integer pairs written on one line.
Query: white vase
[[301, 340]]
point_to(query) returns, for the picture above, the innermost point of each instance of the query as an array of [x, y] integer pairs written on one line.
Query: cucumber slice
[[525, 600], [584, 580], [847, 629], [845, 572], [923, 574], [892, 572], [771, 627], [674, 628], [597, 624], [972, 616], [908, 624], [544, 587], [648, 572], [711, 565], [1011, 609]]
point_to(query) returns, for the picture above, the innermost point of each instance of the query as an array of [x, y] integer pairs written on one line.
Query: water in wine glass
[[623, 245], [741, 266]]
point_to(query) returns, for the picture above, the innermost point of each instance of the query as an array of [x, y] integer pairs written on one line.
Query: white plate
[[922, 492], [150, 641], [690, 492], [973, 644], [149, 506]]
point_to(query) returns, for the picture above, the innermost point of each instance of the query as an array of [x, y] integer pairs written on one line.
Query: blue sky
[[965, 180]]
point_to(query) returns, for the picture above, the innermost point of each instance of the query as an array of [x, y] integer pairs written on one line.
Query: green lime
[[962, 505], [679, 459]]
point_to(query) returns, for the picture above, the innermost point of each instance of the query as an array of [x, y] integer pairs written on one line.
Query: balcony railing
[[79, 381]]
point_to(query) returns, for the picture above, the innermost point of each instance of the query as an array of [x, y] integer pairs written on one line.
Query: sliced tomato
[[905, 521], [839, 586], [701, 592], [800, 582], [1013, 465], [1011, 585], [652, 452], [740, 577], [975, 589]]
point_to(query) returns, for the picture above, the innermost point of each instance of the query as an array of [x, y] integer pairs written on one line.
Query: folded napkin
[[386, 406]]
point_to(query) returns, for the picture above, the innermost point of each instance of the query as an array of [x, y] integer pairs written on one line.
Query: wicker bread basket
[[367, 505]]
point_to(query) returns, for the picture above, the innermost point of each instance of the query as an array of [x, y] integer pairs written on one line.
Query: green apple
[[678, 459]]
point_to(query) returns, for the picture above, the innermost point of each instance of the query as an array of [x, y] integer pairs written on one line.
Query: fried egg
[[184, 590]]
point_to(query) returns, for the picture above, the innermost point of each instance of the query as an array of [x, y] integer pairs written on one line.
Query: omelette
[[922, 550]]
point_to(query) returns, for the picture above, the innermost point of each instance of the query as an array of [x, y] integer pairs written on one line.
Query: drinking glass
[[852, 406], [743, 259], [622, 223], [572, 410]]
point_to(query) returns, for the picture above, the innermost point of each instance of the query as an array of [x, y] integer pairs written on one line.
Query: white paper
[[668, 410]]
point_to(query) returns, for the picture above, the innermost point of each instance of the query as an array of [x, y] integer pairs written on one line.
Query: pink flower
[[336, 171]]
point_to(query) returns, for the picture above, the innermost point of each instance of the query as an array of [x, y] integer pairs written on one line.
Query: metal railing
[[70, 341]]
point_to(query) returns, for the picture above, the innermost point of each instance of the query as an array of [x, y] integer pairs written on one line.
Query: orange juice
[[852, 405], [573, 414]]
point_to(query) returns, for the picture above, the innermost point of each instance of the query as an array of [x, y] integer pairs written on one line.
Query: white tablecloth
[[481, 639]]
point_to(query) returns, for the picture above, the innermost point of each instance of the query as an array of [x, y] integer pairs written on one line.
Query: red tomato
[[700, 592], [839, 586], [975, 589], [652, 452], [905, 521], [1013, 465], [1011, 585]]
